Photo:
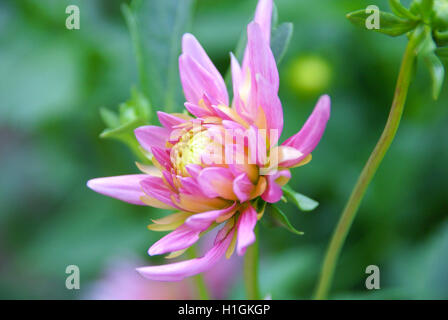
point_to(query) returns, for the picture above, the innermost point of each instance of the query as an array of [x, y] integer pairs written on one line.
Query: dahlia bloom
[[221, 163]]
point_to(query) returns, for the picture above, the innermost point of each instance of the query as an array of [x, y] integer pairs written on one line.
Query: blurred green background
[[53, 82]]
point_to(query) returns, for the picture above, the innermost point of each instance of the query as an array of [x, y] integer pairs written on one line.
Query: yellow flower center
[[189, 150]]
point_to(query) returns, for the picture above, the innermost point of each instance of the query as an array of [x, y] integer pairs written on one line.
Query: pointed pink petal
[[169, 120], [191, 46], [197, 82], [152, 136], [190, 185], [246, 225], [201, 221], [180, 270], [263, 16], [230, 124], [309, 136], [270, 103], [155, 187], [194, 170], [216, 182], [273, 192], [261, 60], [237, 76], [243, 187], [197, 111], [125, 188], [162, 156], [181, 238]]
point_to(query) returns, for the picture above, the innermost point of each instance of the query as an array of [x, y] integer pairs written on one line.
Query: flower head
[[217, 166]]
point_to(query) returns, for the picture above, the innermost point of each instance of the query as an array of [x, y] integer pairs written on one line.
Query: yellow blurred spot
[[309, 74]]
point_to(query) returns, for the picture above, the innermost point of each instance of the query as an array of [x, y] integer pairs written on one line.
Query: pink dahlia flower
[[220, 165]]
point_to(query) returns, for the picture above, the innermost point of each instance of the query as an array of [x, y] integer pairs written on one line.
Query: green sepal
[[301, 201], [390, 24], [399, 10], [441, 38], [442, 52], [280, 219], [131, 114], [427, 50], [280, 39], [437, 71]]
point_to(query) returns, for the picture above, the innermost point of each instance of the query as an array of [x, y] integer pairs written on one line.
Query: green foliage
[[280, 38], [427, 14], [278, 218], [390, 24], [157, 28], [301, 201], [131, 114], [401, 11]]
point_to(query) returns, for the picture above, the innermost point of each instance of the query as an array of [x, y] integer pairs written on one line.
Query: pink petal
[[194, 170], [237, 76], [190, 185], [263, 16], [246, 225], [309, 136], [155, 187], [261, 60], [273, 192], [152, 136], [201, 221], [197, 111], [216, 182], [168, 120], [270, 103], [125, 188], [197, 82], [162, 156], [180, 270], [181, 238], [243, 187], [191, 46]]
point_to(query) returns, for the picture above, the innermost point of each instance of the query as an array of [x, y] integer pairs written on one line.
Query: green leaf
[[280, 218], [389, 24], [441, 38], [442, 52], [440, 19], [302, 202], [157, 28], [426, 9], [110, 118], [427, 50], [400, 10], [280, 39], [132, 114], [437, 72]]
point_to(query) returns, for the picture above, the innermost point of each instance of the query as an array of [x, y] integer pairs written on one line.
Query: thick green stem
[[349, 213], [201, 286], [251, 270]]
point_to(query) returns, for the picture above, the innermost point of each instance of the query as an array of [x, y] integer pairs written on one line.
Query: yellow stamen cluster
[[189, 150]]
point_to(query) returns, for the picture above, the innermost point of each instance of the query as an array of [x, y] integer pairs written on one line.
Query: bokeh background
[[53, 82]]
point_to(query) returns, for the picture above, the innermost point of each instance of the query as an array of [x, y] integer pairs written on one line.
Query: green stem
[[199, 279], [349, 213], [251, 270]]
